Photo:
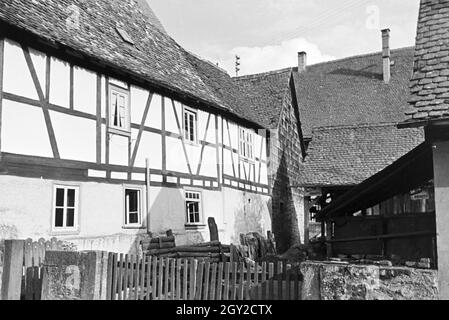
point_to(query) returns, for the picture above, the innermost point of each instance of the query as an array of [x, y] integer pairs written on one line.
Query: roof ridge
[[363, 55], [206, 61], [355, 126], [268, 73]]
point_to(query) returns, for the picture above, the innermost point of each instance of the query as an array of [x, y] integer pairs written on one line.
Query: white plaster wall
[[60, 83], [118, 150], [24, 130], [76, 137], [84, 90], [16, 75]]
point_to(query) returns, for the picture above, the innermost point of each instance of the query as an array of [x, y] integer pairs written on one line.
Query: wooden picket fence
[[158, 278]]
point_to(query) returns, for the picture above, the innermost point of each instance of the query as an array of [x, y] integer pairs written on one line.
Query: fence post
[[12, 270]]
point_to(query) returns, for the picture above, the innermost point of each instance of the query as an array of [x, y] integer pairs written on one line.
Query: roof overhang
[[407, 173]]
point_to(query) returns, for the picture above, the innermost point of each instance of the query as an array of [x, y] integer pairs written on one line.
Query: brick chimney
[[302, 61], [386, 55]]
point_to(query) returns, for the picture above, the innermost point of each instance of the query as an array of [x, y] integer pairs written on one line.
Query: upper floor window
[[246, 144], [65, 208], [119, 117], [190, 125]]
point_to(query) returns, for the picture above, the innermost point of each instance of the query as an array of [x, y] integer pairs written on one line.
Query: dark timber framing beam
[[141, 129], [43, 102]]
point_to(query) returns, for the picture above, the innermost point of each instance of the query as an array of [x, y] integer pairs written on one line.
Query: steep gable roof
[[430, 82], [90, 28], [351, 91], [225, 89], [347, 155], [265, 93]]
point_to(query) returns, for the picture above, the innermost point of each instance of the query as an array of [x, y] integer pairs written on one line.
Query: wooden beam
[[47, 78], [99, 122], [12, 270], [141, 129], [183, 140], [203, 146], [163, 133], [44, 104], [386, 236]]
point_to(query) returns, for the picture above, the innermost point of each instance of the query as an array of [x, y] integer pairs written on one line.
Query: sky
[[267, 34]]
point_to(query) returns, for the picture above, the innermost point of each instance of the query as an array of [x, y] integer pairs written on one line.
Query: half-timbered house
[[110, 130]]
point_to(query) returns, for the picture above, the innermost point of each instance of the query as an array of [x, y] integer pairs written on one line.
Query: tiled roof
[[155, 56], [264, 94], [430, 82], [351, 91], [347, 155], [225, 89]]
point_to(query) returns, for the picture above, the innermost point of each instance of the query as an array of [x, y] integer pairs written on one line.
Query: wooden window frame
[[64, 229], [141, 207], [194, 112], [245, 143], [200, 223], [111, 127]]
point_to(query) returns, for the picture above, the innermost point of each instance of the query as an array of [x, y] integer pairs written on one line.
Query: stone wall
[[325, 281]]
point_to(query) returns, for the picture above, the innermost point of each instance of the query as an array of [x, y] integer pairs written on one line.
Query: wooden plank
[[270, 283], [109, 276], [263, 282], [178, 279], [213, 283], [234, 281], [148, 282], [297, 286], [132, 286], [240, 281], [120, 277], [12, 270], [126, 278], [166, 277], [185, 280], [160, 278], [36, 254], [205, 295], [226, 279], [154, 281], [220, 281], [287, 272], [193, 271], [248, 283], [29, 283], [115, 275], [137, 286], [279, 279], [256, 291], [37, 283], [173, 279], [199, 281], [27, 254]]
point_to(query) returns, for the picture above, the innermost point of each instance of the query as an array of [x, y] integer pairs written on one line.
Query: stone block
[[74, 275], [311, 281]]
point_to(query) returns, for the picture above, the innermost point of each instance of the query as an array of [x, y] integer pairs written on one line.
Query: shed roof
[[347, 155]]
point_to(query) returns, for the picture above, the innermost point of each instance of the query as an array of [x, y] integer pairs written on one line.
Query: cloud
[[268, 58]]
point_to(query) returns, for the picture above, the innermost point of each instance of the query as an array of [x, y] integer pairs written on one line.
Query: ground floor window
[[133, 207], [193, 207], [65, 209]]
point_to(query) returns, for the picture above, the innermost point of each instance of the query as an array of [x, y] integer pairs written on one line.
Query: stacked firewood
[[213, 251]]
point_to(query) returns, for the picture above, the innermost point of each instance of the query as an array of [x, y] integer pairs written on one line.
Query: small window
[[65, 210], [246, 145], [193, 207], [133, 208], [119, 108], [189, 123]]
